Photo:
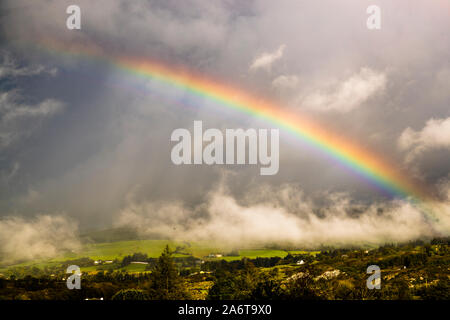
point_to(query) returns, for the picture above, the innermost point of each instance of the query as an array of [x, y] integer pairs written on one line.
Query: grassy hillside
[[408, 271]]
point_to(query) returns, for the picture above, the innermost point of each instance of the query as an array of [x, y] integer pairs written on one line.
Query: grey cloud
[[112, 139], [18, 120], [10, 68], [17, 117]]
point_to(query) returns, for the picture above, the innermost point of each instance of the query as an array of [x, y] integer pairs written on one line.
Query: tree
[[236, 285], [301, 288], [165, 283], [267, 289]]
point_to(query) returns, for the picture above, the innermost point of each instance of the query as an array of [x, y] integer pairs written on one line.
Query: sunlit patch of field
[[134, 268], [90, 269]]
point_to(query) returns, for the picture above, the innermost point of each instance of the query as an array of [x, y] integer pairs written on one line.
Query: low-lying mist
[[285, 216], [44, 236]]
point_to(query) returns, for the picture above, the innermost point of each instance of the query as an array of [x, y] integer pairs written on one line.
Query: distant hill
[[112, 235]]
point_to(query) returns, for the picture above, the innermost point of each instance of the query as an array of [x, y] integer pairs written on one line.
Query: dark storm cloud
[[112, 142]]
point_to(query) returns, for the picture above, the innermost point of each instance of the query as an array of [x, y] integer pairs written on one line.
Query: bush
[[130, 294]]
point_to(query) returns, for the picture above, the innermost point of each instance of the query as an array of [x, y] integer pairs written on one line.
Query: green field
[[135, 267], [119, 249], [153, 248]]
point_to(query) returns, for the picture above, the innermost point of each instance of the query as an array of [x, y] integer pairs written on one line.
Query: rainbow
[[372, 167]]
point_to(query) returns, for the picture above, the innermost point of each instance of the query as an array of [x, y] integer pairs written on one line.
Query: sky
[[84, 145]]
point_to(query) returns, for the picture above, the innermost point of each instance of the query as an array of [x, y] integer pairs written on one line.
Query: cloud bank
[[42, 237], [283, 216]]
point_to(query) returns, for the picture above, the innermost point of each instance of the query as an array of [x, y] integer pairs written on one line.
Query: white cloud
[[435, 134], [348, 95], [283, 216], [265, 60], [285, 82], [10, 68], [42, 237]]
